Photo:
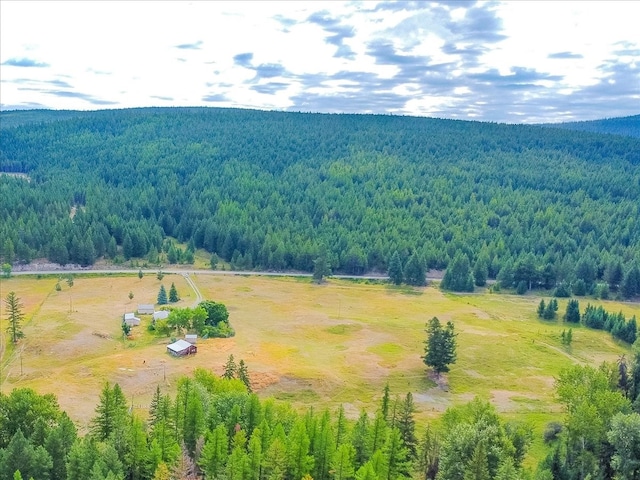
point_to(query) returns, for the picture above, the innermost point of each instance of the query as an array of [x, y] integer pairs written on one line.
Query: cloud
[[399, 6], [159, 97], [269, 70], [216, 97], [21, 106], [58, 83], [270, 88], [564, 55], [190, 46], [285, 22], [479, 24], [385, 54], [28, 81], [337, 31], [520, 77], [82, 96], [243, 59], [24, 62]]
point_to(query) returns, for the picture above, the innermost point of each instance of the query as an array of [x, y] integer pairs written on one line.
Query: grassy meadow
[[321, 345]]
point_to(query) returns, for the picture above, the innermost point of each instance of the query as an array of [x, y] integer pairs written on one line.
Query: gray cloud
[[520, 76], [24, 62], [337, 31], [564, 55], [270, 88], [399, 6], [480, 24], [285, 22], [159, 97], [83, 96], [28, 81], [243, 59], [269, 70], [21, 106], [190, 46], [216, 97]]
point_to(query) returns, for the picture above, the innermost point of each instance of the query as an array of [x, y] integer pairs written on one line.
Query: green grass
[[313, 345]]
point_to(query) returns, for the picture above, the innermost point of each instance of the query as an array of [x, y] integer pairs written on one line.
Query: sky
[[514, 61]]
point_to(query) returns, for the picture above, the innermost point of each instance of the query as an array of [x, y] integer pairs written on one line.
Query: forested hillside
[[269, 189], [629, 126]]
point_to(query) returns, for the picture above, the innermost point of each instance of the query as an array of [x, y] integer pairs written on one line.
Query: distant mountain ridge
[[627, 126]]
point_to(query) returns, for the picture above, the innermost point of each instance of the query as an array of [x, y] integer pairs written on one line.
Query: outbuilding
[[191, 338], [160, 315], [145, 309], [181, 348], [131, 319]]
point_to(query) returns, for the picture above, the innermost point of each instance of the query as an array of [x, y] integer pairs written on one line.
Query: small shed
[[131, 319], [181, 348], [160, 315], [145, 309], [191, 338]]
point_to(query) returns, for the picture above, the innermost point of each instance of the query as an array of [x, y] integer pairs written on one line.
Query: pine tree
[[299, 461], [230, 368], [162, 296], [458, 277], [478, 466], [550, 311], [243, 375], [173, 293], [428, 455], [396, 456], [14, 316], [342, 462], [440, 346], [572, 314], [321, 265], [384, 404], [414, 271], [111, 413], [481, 270], [407, 425], [360, 439], [395, 269], [214, 454], [631, 284], [541, 309]]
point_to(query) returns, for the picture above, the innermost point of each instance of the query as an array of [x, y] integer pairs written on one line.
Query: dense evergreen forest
[[629, 126], [272, 190]]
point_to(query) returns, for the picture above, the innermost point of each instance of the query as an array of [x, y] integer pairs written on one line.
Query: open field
[[322, 345]]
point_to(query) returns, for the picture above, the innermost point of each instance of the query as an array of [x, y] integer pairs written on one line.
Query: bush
[[552, 431]]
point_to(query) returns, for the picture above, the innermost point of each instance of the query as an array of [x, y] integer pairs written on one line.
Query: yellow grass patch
[[321, 345]]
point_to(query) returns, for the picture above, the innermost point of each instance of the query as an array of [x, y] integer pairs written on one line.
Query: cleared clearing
[[322, 345]]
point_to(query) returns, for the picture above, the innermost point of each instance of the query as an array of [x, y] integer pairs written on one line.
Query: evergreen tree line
[[268, 190], [587, 278], [216, 428], [598, 318], [620, 327]]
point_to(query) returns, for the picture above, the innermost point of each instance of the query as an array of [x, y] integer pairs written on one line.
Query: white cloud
[[519, 61]]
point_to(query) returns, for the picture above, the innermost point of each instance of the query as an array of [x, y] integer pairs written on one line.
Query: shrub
[[552, 431]]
